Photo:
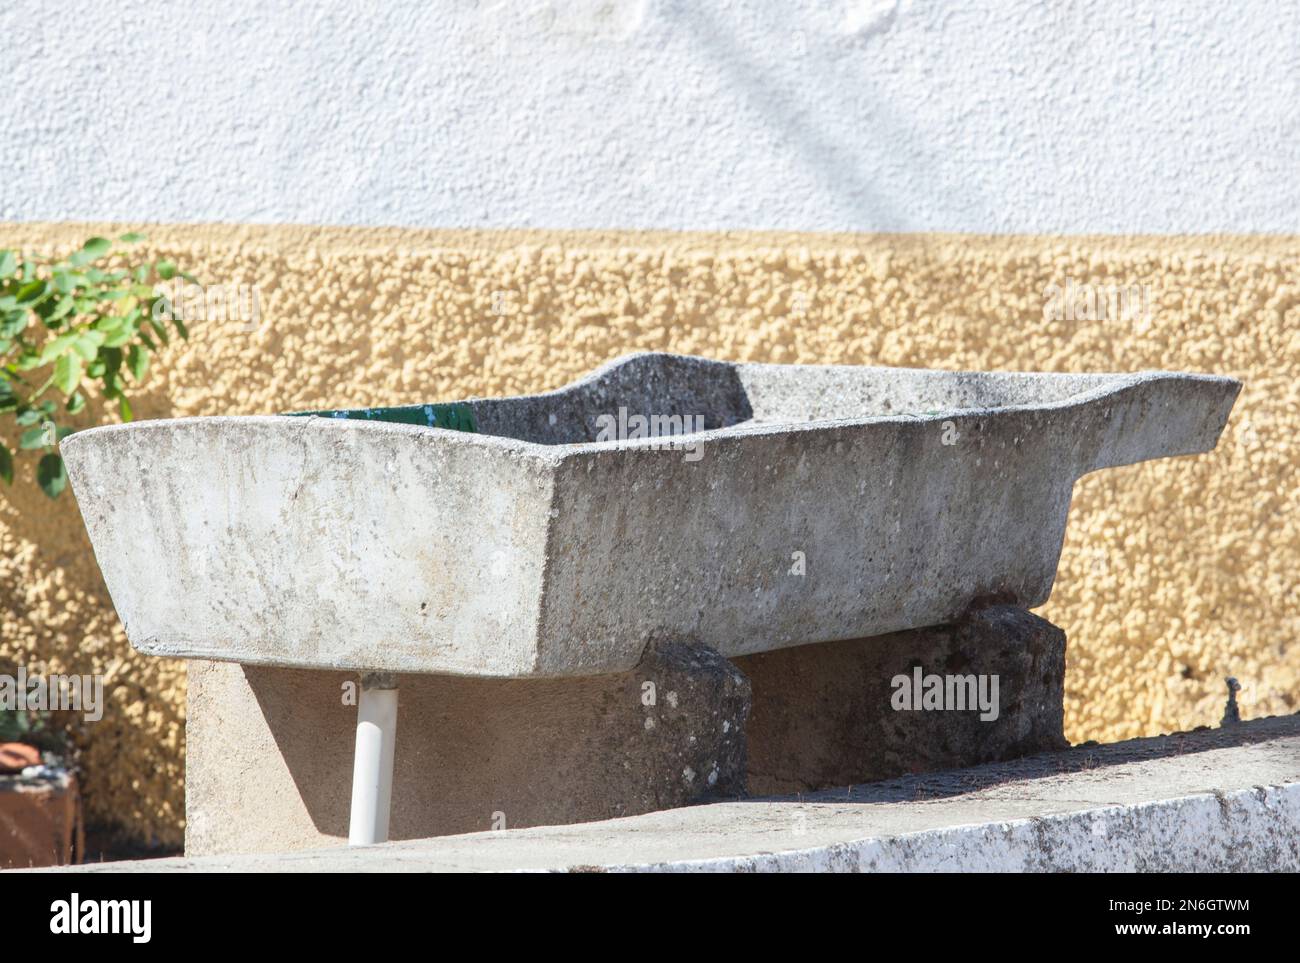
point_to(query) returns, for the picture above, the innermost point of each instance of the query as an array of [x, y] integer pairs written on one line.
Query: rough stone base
[[822, 714], [269, 751]]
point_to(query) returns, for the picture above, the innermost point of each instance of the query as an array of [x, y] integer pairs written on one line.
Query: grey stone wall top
[[1225, 800]]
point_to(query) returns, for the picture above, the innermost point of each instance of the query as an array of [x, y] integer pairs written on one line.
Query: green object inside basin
[[454, 417]]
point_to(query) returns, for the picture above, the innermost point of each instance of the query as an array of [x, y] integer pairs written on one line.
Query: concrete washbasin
[[747, 507]]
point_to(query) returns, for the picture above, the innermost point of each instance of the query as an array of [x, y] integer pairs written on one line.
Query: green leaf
[[13, 322], [109, 324], [112, 360], [34, 438], [8, 264], [29, 416], [131, 237], [6, 465], [124, 408], [57, 347], [46, 306], [97, 247], [159, 330], [30, 291], [87, 343], [67, 373], [161, 308], [50, 475], [119, 337], [166, 270], [76, 403], [62, 310], [137, 361]]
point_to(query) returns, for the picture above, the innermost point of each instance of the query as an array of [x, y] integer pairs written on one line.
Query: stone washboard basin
[[515, 537]]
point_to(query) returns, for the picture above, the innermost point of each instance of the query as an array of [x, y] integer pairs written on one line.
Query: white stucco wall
[[861, 115]]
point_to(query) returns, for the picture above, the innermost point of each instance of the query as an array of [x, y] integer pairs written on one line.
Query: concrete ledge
[[1214, 800]]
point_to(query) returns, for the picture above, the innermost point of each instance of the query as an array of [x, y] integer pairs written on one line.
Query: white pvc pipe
[[372, 766]]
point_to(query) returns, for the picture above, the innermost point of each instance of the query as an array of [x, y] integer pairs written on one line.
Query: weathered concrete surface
[[825, 503], [823, 715], [269, 750], [1218, 801]]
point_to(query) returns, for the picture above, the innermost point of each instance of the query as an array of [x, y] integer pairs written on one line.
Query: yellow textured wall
[[1175, 573]]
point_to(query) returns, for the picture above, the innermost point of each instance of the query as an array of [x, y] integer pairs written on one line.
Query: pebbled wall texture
[[1175, 573]]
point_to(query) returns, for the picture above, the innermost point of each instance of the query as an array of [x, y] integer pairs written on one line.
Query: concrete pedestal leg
[[372, 766]]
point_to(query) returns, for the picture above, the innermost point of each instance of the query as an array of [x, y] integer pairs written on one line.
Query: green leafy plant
[[34, 727], [80, 324], [42, 728]]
